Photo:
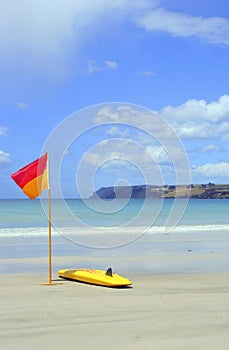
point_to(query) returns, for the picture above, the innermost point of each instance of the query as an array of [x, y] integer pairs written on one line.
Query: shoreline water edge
[[198, 243]]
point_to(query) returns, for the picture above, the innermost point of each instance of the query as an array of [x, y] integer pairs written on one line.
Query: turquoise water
[[27, 214], [116, 237]]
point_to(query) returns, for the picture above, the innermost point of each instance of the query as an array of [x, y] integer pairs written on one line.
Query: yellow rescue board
[[98, 277]]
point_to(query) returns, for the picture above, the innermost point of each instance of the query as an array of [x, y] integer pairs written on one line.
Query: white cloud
[[197, 118], [114, 131], [209, 148], [150, 129], [4, 157], [214, 30], [50, 35], [202, 130], [111, 65], [22, 105], [93, 67], [147, 73], [107, 114], [159, 154], [140, 118], [128, 158], [167, 156], [197, 110], [126, 153], [225, 137], [3, 131], [210, 170]]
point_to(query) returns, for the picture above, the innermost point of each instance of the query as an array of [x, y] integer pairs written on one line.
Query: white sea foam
[[24, 232], [123, 230], [189, 228]]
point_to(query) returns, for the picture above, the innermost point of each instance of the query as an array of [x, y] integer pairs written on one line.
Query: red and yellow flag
[[33, 179]]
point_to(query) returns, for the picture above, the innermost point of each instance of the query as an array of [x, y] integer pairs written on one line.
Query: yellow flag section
[[33, 179], [97, 277]]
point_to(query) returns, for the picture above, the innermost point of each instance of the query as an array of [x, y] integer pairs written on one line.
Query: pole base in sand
[[51, 283]]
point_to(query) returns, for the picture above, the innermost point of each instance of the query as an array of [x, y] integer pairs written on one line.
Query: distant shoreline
[[198, 191]]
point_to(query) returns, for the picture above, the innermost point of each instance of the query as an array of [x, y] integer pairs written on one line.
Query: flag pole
[[49, 227], [49, 238], [50, 282]]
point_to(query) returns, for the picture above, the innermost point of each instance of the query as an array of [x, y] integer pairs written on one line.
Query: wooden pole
[[50, 282], [49, 238]]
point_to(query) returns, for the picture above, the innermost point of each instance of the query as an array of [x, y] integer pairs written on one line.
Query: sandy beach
[[159, 312]]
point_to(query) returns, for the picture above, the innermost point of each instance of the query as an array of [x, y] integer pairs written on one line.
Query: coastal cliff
[[199, 191]]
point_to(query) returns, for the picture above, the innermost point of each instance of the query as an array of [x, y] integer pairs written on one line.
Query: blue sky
[[59, 57]]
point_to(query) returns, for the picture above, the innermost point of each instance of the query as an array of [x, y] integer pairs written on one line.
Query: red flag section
[[32, 179]]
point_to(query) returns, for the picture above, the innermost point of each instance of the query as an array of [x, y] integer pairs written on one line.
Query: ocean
[[134, 236]]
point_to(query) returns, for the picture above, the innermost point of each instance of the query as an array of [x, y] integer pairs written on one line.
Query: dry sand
[[169, 312]]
